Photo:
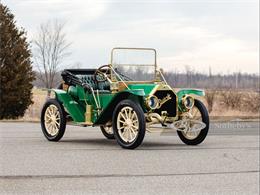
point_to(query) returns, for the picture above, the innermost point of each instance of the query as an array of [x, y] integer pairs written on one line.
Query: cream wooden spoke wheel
[[129, 124], [53, 120], [107, 131], [198, 113]]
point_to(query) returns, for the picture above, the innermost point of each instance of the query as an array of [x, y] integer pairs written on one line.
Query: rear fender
[[75, 110]]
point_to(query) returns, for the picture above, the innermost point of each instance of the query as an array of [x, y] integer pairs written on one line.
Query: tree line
[[218, 81], [184, 80]]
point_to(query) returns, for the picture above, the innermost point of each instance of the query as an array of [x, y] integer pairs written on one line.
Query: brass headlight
[[152, 102], [188, 101]]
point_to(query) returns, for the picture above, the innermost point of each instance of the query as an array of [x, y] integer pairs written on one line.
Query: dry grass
[[223, 105], [230, 104], [34, 111], [210, 98]]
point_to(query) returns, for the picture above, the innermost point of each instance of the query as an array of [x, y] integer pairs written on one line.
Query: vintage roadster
[[125, 99]]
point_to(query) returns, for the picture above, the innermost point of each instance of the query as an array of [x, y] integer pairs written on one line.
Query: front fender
[[198, 92], [134, 95], [182, 92]]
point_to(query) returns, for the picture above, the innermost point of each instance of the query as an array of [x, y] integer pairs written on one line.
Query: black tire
[[203, 133], [106, 134], [62, 120], [141, 124]]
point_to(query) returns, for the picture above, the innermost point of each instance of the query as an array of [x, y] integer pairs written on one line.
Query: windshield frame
[[114, 76]]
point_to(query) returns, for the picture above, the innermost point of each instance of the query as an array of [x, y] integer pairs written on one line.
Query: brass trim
[[88, 114], [135, 48], [147, 102], [164, 100], [183, 101], [165, 87]]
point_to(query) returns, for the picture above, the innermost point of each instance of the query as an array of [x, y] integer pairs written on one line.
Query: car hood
[[146, 87]]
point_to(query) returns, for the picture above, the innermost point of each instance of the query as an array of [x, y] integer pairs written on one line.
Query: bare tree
[[50, 50], [189, 73]]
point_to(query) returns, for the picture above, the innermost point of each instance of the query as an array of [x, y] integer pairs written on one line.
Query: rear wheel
[[129, 124], [53, 120], [107, 131], [200, 113]]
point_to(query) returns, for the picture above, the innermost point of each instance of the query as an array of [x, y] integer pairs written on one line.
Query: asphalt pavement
[[84, 162]]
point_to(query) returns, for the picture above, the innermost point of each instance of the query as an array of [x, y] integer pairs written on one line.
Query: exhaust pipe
[[154, 118]]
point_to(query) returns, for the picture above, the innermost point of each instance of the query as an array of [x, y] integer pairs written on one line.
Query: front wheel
[[200, 113], [129, 124], [53, 120]]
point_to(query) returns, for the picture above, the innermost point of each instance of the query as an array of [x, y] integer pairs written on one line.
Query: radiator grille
[[169, 106]]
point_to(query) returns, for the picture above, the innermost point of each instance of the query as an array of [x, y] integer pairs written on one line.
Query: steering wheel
[[100, 74]]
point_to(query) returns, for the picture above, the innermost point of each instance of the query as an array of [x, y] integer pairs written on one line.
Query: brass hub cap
[[108, 129], [52, 120], [127, 124]]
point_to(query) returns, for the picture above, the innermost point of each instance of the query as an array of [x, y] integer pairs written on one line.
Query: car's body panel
[[74, 101], [74, 108], [146, 87], [109, 101], [106, 114], [182, 92]]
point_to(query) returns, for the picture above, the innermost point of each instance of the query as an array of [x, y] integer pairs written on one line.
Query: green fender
[[134, 95], [75, 110], [182, 92]]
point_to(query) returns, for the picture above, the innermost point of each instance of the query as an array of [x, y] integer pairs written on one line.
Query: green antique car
[[125, 99]]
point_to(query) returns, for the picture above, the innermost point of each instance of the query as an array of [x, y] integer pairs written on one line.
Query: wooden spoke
[[127, 124], [52, 120]]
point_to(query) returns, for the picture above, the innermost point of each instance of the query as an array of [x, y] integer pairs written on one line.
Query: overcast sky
[[222, 34]]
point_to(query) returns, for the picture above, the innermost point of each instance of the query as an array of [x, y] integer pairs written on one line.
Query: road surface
[[84, 162]]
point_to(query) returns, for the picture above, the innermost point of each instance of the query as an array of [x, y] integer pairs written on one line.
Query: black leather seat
[[101, 86]]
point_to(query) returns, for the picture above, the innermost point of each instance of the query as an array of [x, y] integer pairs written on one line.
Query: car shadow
[[96, 141], [112, 144], [147, 145]]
